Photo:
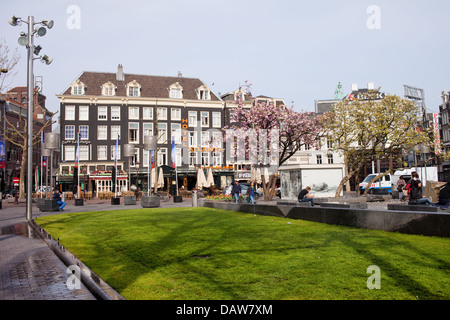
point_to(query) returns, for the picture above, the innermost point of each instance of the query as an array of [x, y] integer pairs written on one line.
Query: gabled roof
[[151, 86]]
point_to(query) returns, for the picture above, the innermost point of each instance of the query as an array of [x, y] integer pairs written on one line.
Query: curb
[[97, 286]]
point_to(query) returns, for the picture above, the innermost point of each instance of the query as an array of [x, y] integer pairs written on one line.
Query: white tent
[[210, 179], [258, 178], [201, 180], [160, 178]]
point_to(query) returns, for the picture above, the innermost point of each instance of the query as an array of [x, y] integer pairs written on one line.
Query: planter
[[79, 202], [48, 205], [150, 201], [115, 201], [129, 200], [177, 199]]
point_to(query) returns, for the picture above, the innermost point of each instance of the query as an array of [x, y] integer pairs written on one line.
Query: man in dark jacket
[[236, 190], [304, 196], [57, 196]]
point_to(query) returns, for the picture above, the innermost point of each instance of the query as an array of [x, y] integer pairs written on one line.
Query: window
[[102, 153], [216, 120], [78, 88], [134, 89], [109, 89], [216, 139], [113, 152], [176, 133], [205, 158], [204, 118], [176, 91], [330, 159], [205, 139], [178, 160], [192, 139], [175, 114], [192, 115], [84, 153], [162, 133], [133, 113], [147, 113], [192, 158], [217, 159], [102, 132], [203, 93], [115, 113], [70, 132], [83, 113], [133, 132], [162, 156], [319, 159], [148, 128], [102, 113], [69, 153], [70, 112], [329, 143], [115, 131], [84, 132], [162, 113]]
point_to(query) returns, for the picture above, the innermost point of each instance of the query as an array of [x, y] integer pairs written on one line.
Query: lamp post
[[149, 201], [27, 40], [129, 151]]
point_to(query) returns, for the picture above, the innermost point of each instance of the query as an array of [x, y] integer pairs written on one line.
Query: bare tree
[[8, 60]]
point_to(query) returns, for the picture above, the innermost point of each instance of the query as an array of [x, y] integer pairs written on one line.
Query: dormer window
[[109, 89], [176, 91], [133, 89], [78, 88], [203, 93]]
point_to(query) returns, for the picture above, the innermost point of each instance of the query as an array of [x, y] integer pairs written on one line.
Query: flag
[[173, 153], [153, 158], [115, 153], [77, 154]]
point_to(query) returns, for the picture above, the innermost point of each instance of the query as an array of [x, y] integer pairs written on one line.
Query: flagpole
[[148, 172]]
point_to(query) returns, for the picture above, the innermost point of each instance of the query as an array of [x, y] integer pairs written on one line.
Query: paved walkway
[[29, 269]]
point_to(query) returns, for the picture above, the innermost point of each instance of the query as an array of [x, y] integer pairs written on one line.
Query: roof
[[151, 86]]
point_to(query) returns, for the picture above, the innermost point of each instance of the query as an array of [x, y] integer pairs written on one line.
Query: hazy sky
[[295, 50]]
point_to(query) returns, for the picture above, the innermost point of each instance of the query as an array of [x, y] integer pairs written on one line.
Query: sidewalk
[[29, 269]]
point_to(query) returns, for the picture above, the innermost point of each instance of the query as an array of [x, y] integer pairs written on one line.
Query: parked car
[[9, 194], [43, 188]]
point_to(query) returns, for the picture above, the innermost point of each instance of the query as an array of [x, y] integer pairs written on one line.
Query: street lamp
[[27, 40]]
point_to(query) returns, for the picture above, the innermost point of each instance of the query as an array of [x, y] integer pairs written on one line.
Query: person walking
[[305, 196], [57, 196], [236, 191], [251, 192]]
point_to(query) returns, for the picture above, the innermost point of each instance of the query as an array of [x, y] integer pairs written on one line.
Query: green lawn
[[203, 253]]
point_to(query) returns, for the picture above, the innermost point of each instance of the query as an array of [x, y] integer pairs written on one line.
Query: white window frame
[[113, 151], [80, 131], [216, 120], [102, 132], [162, 156], [193, 139], [176, 132], [204, 116], [129, 132], [115, 130], [70, 113], [69, 153], [102, 113], [83, 113], [147, 128], [67, 137], [192, 119], [147, 113], [102, 152], [133, 113], [162, 133], [84, 153], [175, 114], [162, 113], [115, 113]]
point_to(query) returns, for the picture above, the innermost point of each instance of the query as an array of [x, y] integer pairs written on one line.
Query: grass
[[203, 253]]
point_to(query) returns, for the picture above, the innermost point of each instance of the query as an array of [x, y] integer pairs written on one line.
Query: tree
[[295, 129], [369, 127], [8, 60]]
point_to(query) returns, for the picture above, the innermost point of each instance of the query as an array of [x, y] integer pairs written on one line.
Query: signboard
[[437, 139], [414, 93], [16, 182]]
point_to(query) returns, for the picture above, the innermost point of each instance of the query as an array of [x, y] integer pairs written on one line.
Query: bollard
[[194, 199]]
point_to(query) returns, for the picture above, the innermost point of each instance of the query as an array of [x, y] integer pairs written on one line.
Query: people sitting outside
[[401, 183], [57, 196], [415, 191], [444, 197], [305, 196]]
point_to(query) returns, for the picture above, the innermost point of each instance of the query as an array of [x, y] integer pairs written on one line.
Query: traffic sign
[[16, 181]]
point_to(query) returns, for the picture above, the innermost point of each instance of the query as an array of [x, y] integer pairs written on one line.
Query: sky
[[294, 50]]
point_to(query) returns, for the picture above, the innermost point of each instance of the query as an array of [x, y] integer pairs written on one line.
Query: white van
[[381, 184]]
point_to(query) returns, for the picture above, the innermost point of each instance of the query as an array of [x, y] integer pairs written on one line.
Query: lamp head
[[45, 58], [41, 31], [48, 24], [14, 21]]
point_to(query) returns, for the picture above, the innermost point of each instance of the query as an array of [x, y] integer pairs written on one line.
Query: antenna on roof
[[180, 74]]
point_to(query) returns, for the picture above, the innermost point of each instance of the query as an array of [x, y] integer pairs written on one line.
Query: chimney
[[370, 86], [119, 75], [354, 87], [180, 75]]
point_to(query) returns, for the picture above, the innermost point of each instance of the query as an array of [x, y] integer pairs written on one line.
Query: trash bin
[[194, 199]]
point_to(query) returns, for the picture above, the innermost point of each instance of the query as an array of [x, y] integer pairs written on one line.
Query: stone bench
[[294, 203], [416, 207], [47, 205], [355, 205]]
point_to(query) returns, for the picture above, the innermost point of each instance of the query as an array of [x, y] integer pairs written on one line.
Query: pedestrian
[[236, 191], [251, 192], [305, 196], [57, 196], [401, 183], [415, 194]]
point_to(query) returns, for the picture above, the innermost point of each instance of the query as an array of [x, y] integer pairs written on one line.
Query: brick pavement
[[29, 269]]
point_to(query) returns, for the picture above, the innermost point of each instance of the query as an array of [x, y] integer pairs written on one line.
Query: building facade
[[99, 108]]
